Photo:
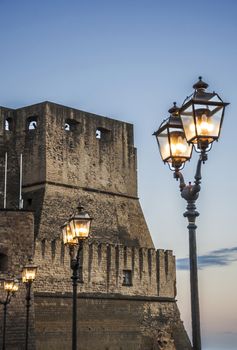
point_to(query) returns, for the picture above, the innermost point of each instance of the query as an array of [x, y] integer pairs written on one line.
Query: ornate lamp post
[[199, 119], [28, 277], [74, 231], [10, 286]]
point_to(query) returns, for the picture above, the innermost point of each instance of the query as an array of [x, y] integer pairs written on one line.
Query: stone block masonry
[[16, 245], [104, 267]]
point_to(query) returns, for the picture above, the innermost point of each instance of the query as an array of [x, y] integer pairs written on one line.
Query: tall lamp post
[[10, 286], [74, 231], [28, 277], [197, 123]]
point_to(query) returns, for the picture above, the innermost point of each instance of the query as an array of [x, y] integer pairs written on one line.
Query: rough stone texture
[[110, 324], [153, 272], [16, 241], [60, 168]]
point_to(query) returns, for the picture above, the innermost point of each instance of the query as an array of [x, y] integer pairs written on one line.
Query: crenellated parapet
[[106, 268]]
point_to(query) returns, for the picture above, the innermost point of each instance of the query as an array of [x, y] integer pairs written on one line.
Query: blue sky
[[130, 60]]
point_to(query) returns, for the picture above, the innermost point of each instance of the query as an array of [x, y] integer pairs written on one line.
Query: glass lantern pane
[[29, 274], [15, 286], [215, 98], [188, 122], [80, 228], [8, 285], [208, 121], [163, 142], [67, 235], [180, 149]]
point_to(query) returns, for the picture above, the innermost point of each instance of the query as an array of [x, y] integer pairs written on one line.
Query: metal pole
[[28, 298], [4, 326], [190, 193], [195, 313], [5, 183], [20, 185], [74, 308], [75, 263], [5, 303]]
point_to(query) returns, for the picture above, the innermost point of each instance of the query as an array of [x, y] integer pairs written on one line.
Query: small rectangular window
[[127, 278]]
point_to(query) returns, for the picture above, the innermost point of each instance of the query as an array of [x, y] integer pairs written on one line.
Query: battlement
[[107, 268]]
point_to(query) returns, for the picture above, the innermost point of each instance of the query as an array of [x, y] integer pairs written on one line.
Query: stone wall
[[110, 323], [103, 268], [16, 242]]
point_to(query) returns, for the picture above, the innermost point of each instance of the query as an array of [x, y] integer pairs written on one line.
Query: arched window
[[3, 262], [70, 125], [103, 134], [8, 124], [31, 123]]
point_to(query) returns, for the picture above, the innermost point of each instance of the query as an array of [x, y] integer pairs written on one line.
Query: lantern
[[8, 284], [80, 224], [202, 116], [172, 143], [67, 235], [77, 227], [29, 272]]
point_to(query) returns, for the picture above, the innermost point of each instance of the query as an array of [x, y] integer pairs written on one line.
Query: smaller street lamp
[[172, 143], [74, 231], [10, 286], [28, 277]]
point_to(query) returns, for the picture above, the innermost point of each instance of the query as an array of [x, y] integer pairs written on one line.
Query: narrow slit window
[[70, 125], [8, 124], [103, 134], [67, 127], [3, 262], [127, 278], [31, 123], [98, 134]]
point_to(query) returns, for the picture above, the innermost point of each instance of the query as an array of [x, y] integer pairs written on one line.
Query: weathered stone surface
[[110, 323], [16, 241]]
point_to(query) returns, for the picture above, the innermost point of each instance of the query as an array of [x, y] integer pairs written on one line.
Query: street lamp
[[173, 146], [10, 286], [202, 115], [28, 277], [74, 231], [200, 119]]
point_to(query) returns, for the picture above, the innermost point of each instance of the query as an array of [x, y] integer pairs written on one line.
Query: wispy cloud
[[220, 257]]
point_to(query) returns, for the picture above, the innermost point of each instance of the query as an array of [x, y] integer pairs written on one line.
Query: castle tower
[[71, 155]]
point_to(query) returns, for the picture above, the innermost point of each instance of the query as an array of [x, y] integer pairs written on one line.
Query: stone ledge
[[105, 296]]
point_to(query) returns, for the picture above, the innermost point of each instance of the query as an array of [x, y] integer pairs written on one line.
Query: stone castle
[[126, 299]]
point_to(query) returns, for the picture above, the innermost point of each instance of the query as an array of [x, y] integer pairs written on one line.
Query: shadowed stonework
[[126, 299]]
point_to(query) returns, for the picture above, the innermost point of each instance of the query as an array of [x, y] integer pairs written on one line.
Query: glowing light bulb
[[178, 146], [204, 127]]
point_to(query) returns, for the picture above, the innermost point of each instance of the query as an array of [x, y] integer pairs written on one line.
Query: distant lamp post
[[28, 277], [10, 286], [199, 119], [74, 231]]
